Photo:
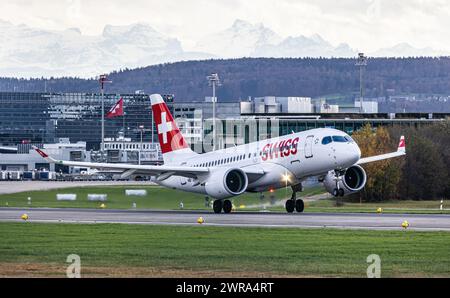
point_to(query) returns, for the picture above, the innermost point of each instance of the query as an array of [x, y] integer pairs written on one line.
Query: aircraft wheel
[[290, 206], [341, 192], [299, 205], [335, 192], [227, 206], [217, 206]]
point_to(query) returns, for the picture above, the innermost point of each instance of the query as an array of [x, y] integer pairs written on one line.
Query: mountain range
[[31, 52]]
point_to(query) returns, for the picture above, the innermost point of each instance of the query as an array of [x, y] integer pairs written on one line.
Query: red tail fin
[[402, 145], [170, 137]]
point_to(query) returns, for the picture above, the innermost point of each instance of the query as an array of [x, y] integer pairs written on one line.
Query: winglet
[[43, 154], [402, 145]]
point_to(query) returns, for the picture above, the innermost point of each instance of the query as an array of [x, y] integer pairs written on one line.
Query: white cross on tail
[[164, 127]]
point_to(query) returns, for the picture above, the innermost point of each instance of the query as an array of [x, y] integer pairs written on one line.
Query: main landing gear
[[293, 203], [224, 205]]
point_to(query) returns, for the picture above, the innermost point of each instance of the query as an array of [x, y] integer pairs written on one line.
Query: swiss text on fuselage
[[280, 149]]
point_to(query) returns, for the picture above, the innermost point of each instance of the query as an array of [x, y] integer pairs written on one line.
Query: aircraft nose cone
[[351, 156], [355, 154]]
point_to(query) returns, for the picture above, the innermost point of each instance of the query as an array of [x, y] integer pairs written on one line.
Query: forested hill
[[262, 76]]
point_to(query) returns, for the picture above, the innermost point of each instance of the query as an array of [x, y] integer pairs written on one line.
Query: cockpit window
[[349, 139], [326, 140], [339, 139]]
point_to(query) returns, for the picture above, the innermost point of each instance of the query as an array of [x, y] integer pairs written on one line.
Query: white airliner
[[330, 154]]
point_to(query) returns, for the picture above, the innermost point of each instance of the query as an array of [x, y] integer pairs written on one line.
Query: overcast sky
[[364, 24]]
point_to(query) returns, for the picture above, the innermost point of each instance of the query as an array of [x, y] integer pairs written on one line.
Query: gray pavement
[[421, 222]]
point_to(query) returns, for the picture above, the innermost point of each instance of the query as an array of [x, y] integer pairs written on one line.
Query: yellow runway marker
[[24, 216], [405, 224], [200, 220]]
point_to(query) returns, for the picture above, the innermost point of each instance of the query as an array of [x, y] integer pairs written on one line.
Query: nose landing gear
[[338, 192]]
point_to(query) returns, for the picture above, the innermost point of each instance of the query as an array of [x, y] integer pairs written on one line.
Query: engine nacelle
[[353, 180], [225, 183]]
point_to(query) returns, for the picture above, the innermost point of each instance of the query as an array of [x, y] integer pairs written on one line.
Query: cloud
[[364, 24]]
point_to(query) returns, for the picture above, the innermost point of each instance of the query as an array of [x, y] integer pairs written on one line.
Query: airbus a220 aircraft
[[330, 154]]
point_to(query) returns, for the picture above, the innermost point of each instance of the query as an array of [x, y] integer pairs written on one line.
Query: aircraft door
[[309, 147]]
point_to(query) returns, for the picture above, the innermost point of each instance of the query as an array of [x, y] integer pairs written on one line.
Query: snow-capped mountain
[[240, 40], [29, 52], [244, 39], [407, 50], [302, 46]]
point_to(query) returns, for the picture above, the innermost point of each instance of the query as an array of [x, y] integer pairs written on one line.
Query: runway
[[420, 222]]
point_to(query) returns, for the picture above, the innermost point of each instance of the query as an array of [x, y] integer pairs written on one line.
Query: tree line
[[423, 174], [245, 77]]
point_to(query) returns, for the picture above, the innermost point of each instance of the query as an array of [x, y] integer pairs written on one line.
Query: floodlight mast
[[141, 128], [214, 81], [361, 63], [103, 79]]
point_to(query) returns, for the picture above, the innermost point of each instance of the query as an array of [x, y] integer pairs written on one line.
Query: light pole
[[361, 63], [103, 80], [214, 81], [141, 127]]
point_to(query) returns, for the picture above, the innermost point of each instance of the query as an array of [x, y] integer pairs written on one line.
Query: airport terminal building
[[46, 117]]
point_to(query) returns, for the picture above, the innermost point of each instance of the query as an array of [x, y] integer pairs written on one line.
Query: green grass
[[163, 198], [299, 252], [157, 198]]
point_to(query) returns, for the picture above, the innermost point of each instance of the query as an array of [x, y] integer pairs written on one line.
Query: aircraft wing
[[254, 172], [161, 172], [400, 152]]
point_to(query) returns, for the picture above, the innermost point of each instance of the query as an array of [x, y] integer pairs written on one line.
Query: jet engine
[[351, 181], [225, 183]]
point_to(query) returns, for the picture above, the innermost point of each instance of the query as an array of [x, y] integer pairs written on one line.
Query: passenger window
[[339, 139], [326, 140]]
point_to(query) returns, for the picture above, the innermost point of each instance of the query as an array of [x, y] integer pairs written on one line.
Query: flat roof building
[[46, 117]]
